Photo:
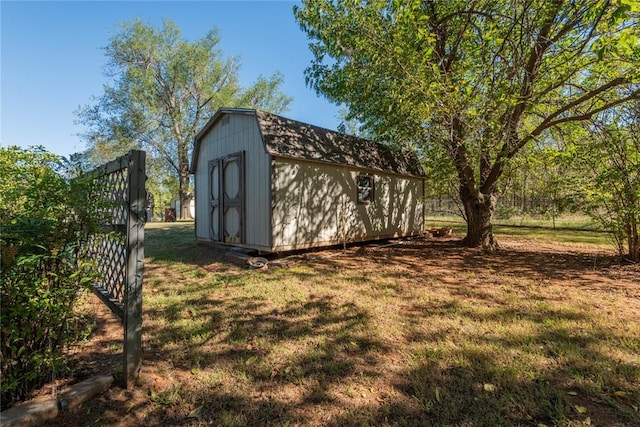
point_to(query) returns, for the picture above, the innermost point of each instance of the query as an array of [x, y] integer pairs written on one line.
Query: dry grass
[[420, 333]]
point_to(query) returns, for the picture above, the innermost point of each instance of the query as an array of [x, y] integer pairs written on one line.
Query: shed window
[[365, 188]]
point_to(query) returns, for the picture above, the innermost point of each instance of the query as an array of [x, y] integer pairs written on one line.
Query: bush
[[610, 163], [45, 220]]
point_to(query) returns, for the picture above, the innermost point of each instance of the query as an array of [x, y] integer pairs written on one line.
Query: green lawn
[[576, 222], [572, 235]]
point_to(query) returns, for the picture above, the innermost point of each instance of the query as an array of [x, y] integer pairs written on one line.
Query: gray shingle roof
[[297, 140], [290, 138]]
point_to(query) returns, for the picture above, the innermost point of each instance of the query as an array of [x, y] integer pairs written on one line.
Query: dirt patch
[[327, 368]]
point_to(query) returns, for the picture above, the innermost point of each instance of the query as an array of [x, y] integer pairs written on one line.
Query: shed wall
[[232, 134], [316, 204]]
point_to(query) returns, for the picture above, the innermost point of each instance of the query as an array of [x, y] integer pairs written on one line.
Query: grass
[[570, 233], [416, 334], [568, 221]]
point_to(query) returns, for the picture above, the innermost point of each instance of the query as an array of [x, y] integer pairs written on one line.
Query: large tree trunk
[[183, 192], [479, 210], [633, 240], [185, 201]]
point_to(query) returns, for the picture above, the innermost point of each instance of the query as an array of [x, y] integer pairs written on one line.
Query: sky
[[52, 59]]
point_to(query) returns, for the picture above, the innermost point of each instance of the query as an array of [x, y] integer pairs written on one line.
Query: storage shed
[[273, 184]]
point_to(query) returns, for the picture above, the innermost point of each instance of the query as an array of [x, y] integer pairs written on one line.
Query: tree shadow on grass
[[241, 343], [177, 244], [243, 360], [473, 388], [479, 390], [469, 385]]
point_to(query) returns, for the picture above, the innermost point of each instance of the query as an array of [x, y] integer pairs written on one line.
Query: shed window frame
[[365, 189]]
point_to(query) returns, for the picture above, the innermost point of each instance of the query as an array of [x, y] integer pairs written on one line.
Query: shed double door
[[226, 198]]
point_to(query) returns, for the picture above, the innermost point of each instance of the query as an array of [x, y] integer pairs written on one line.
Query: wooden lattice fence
[[118, 194]]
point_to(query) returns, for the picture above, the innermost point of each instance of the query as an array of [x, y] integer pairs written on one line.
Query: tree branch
[[587, 115], [530, 71], [551, 120]]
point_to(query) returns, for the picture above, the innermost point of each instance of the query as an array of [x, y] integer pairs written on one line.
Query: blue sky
[[52, 59]]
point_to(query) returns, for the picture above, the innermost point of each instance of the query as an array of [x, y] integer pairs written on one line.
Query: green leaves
[[164, 89], [43, 220], [606, 166], [481, 80]]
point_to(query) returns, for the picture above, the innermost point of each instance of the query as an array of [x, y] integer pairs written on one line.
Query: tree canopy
[[469, 84], [163, 90]]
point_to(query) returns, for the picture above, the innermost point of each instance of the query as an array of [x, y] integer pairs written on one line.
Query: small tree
[[607, 182]]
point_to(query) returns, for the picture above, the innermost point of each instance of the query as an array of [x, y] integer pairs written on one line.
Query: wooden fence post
[[135, 258]]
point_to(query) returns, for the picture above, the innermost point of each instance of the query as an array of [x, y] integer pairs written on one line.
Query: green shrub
[[45, 218], [608, 189]]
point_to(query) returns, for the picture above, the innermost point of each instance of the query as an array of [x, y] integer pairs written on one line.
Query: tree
[[606, 178], [164, 89], [473, 82]]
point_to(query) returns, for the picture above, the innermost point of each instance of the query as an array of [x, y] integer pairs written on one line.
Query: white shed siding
[[315, 204], [233, 134]]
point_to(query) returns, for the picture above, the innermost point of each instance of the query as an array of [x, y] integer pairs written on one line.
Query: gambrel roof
[[297, 140]]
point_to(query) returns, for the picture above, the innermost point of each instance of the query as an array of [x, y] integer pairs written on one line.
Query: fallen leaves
[[489, 387], [580, 409]]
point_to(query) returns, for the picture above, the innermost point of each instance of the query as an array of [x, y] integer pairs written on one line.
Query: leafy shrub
[[45, 219], [610, 165]]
